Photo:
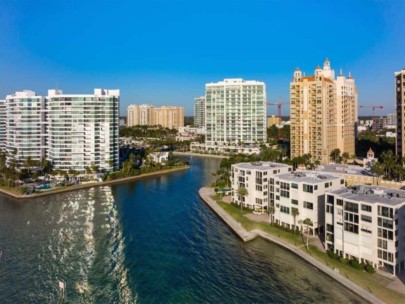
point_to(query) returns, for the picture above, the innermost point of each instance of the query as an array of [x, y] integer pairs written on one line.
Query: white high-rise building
[[25, 127], [71, 131], [3, 121], [83, 129], [199, 111], [235, 112]]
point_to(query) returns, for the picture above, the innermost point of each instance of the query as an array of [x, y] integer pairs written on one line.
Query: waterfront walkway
[[206, 193]]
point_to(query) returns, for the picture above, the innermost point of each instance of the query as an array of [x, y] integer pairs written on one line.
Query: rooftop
[[344, 169], [310, 177], [372, 194], [260, 165]]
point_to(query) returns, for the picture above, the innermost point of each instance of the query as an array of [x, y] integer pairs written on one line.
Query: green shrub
[[369, 268], [355, 264], [331, 254], [343, 260]]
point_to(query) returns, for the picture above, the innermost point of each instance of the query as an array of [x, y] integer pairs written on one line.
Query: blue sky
[[163, 52]]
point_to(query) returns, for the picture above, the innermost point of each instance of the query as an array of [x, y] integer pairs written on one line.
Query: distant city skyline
[[163, 53]]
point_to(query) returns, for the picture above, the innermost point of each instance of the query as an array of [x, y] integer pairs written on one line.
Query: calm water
[[150, 241]]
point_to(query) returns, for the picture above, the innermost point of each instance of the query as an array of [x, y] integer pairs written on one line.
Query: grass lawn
[[374, 283]]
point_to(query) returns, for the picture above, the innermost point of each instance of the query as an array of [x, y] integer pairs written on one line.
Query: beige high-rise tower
[[400, 106], [323, 113], [147, 115]]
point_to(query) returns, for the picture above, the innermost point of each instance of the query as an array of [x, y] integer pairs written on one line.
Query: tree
[[295, 213], [335, 155], [242, 192], [378, 170], [272, 210], [307, 222], [345, 157]]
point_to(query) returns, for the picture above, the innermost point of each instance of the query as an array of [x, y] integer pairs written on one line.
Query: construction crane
[[279, 105], [373, 108]]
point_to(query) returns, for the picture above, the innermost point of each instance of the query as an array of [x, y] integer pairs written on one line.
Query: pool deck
[[206, 193]]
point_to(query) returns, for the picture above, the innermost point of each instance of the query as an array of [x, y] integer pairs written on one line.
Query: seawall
[[91, 185], [205, 194]]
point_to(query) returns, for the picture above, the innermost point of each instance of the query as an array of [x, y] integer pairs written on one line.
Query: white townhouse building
[[367, 223], [304, 191], [255, 178]]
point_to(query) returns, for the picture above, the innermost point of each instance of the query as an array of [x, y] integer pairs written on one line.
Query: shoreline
[[246, 236], [198, 154], [91, 185]]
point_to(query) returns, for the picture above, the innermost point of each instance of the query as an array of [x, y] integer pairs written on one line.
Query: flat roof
[[310, 177], [371, 194], [344, 169], [260, 165]]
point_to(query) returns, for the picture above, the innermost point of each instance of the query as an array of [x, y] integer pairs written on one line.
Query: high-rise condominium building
[[165, 116], [235, 112], [140, 115], [199, 111], [3, 121], [71, 131], [323, 113], [400, 109], [25, 127], [83, 129]]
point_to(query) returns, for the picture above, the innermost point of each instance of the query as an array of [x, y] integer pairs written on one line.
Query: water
[[149, 241]]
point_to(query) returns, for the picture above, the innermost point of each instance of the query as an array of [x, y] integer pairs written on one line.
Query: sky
[[164, 52]]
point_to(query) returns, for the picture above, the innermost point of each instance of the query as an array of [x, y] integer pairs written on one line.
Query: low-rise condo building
[[300, 195], [367, 223], [255, 178]]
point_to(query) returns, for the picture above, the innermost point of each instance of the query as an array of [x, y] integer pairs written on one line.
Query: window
[[351, 228], [258, 201], [386, 234], [294, 185], [277, 197], [294, 202], [308, 205], [352, 207], [385, 211], [350, 217], [366, 218], [285, 209], [326, 185], [339, 202], [366, 208], [258, 188], [385, 223], [329, 228], [329, 199], [285, 193], [342, 181], [308, 188], [329, 209], [382, 244]]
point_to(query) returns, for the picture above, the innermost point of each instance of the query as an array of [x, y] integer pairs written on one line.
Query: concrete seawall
[[205, 194]]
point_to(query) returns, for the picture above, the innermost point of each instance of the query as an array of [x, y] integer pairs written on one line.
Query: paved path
[[206, 193]]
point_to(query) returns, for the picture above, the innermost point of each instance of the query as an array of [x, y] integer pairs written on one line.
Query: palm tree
[[335, 155], [271, 210], [295, 213], [242, 192], [307, 222]]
